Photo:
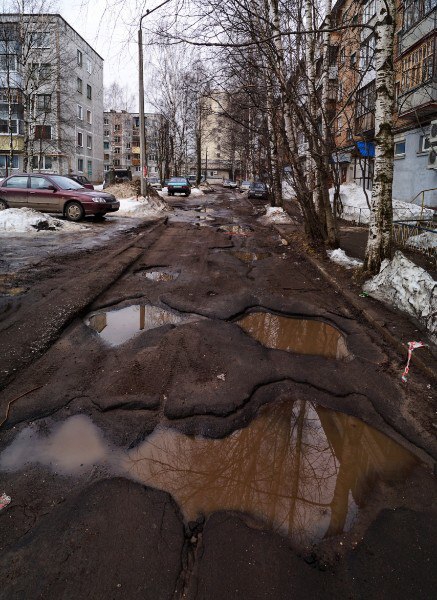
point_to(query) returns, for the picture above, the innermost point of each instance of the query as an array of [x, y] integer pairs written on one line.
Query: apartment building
[[121, 142], [352, 93], [51, 97]]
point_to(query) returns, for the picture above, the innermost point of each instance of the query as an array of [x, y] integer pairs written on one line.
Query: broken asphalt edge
[[401, 347]]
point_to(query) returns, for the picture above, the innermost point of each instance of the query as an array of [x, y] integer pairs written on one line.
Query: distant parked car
[[228, 183], [178, 185], [258, 190], [84, 181], [55, 194], [154, 182], [245, 186], [117, 176]]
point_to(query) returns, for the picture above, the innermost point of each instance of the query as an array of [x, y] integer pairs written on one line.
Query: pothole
[[249, 257], [117, 326], [304, 470], [303, 336]]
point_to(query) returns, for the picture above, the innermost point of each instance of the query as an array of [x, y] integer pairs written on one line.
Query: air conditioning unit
[[432, 159], [433, 133]]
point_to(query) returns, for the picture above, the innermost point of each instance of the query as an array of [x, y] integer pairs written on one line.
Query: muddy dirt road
[[191, 411]]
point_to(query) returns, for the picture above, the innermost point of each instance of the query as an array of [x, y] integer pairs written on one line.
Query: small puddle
[[236, 229], [249, 257], [304, 470], [116, 327], [303, 336], [161, 275]]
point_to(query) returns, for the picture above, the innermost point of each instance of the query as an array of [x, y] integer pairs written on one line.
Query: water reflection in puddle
[[118, 326], [304, 470], [303, 336]]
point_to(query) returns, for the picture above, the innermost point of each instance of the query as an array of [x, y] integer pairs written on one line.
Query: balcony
[[365, 123], [420, 101], [418, 31]]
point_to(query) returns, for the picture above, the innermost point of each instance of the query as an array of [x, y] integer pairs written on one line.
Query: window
[[400, 149], [40, 71], [340, 90], [416, 10], [369, 11], [417, 66], [366, 53], [105, 145], [39, 183], [339, 125], [88, 91], [128, 145], [353, 59], [15, 126], [106, 157], [116, 139], [106, 167], [40, 39], [80, 165], [342, 56], [88, 117], [10, 96], [88, 65], [80, 112], [424, 143], [43, 132], [79, 85], [105, 121], [79, 138], [79, 58], [117, 150], [8, 62], [117, 162], [5, 160], [117, 127], [106, 133], [43, 102], [17, 182], [89, 142], [89, 168], [365, 100]]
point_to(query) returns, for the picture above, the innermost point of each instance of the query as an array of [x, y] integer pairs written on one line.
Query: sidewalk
[[395, 327]]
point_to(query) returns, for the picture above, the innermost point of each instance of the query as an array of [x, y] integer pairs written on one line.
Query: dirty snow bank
[[275, 214], [28, 220], [355, 206], [425, 240], [407, 287], [341, 258], [143, 207]]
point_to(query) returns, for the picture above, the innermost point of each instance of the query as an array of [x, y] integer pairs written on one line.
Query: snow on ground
[[25, 220], [407, 287], [275, 214], [341, 258], [423, 240], [287, 190], [143, 207], [355, 206]]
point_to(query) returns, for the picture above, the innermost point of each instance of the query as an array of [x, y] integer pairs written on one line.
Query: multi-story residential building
[[352, 93], [51, 97], [121, 142]]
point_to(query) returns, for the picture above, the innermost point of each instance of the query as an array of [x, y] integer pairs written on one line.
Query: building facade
[[121, 142], [51, 98], [353, 92]]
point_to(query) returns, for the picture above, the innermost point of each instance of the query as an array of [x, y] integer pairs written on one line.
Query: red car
[[55, 194]]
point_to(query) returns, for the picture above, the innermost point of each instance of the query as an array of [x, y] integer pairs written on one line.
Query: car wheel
[[187, 194], [99, 217], [74, 211], [3, 205]]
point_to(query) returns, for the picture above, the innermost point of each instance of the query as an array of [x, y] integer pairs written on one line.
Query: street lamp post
[[141, 96]]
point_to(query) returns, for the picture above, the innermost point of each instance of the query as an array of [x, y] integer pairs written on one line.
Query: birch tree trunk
[[379, 243]]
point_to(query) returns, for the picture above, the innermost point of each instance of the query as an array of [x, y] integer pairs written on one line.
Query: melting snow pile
[[341, 258], [24, 220], [427, 240], [275, 214], [143, 207], [407, 287], [355, 206]]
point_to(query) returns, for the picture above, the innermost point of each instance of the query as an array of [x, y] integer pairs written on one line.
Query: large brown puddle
[[305, 471], [303, 336], [118, 326]]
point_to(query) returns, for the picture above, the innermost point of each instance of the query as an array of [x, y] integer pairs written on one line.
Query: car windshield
[[258, 186], [153, 180], [178, 180], [246, 183], [65, 183]]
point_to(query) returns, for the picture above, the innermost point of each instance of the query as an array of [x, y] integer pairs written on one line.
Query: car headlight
[[98, 199]]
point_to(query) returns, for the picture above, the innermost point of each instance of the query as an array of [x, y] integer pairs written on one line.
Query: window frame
[[79, 139]]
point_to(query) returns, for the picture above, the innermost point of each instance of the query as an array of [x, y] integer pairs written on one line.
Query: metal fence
[[417, 235]]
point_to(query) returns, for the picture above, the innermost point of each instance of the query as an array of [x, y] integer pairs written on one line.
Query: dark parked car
[[178, 185], [55, 194], [117, 176], [84, 181], [258, 190]]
